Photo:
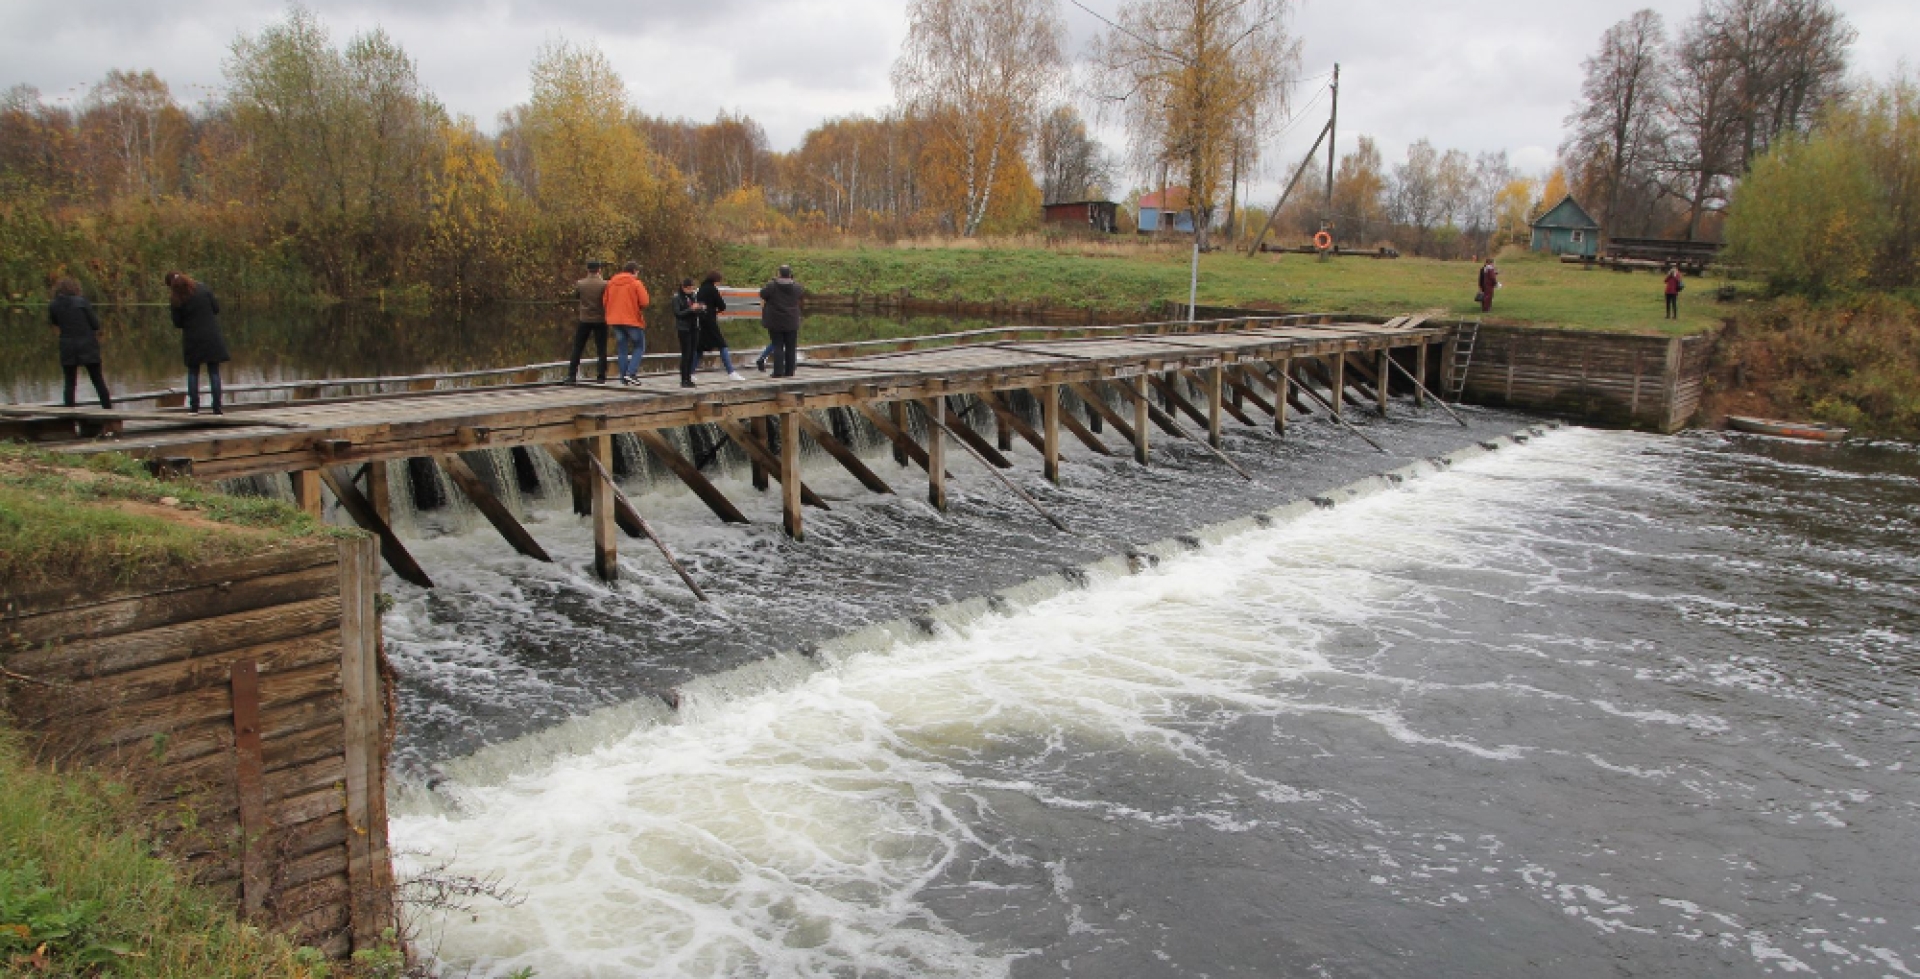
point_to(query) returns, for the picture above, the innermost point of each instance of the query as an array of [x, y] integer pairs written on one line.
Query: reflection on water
[[141, 350]]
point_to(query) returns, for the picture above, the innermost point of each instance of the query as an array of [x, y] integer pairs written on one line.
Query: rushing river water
[[1603, 704]]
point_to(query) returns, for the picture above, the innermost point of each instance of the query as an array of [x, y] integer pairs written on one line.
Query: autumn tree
[[1359, 191], [135, 134], [978, 71], [1072, 165], [1187, 76], [1616, 128]]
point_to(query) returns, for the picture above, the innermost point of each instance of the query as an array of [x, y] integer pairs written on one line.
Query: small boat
[[1805, 431]]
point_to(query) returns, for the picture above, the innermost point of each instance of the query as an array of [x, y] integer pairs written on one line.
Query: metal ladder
[[1464, 339]]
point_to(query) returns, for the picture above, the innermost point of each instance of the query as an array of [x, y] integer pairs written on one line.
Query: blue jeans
[[633, 346]]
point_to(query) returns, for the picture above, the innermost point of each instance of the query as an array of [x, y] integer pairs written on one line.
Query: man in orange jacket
[[626, 301]]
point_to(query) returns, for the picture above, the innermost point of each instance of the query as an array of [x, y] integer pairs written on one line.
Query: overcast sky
[[1489, 75]]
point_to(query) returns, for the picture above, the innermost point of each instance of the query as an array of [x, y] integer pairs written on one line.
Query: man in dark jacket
[[592, 321], [687, 313], [780, 314]]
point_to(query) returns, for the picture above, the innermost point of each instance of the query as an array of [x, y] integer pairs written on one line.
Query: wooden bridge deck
[[312, 438]]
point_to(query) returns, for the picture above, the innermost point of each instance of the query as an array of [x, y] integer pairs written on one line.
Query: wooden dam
[[345, 434]]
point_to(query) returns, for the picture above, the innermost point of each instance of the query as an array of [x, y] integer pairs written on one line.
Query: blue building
[[1567, 229], [1170, 204]]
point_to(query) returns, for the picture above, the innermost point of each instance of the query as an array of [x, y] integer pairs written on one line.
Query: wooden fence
[[1620, 379], [244, 701]]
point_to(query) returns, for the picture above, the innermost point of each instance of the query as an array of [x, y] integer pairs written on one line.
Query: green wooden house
[[1567, 229]]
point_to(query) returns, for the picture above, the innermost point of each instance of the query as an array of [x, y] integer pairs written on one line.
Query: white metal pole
[[1193, 278]]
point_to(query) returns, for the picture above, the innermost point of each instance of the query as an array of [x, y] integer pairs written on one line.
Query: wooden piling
[[1384, 381], [1212, 376], [1339, 383], [378, 492], [306, 491], [490, 507], [606, 555], [690, 474], [362, 512], [1282, 393], [898, 411], [935, 408], [1420, 376], [1140, 406], [364, 710], [790, 474], [1049, 397], [956, 422], [758, 450], [758, 426]]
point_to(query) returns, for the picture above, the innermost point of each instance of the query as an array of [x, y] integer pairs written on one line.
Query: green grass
[[1535, 290], [73, 881], [100, 519]]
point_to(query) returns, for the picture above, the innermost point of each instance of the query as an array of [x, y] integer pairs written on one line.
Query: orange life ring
[[1323, 241]]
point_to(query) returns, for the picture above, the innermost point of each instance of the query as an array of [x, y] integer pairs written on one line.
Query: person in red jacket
[[1674, 285], [1489, 281], [626, 301]]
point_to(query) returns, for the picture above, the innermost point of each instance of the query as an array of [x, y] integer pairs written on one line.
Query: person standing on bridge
[[591, 291], [79, 330], [196, 314], [1489, 281], [710, 336], [625, 301], [780, 314], [1674, 285], [688, 312]]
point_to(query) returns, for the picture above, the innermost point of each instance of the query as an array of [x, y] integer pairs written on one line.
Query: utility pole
[[1333, 127]]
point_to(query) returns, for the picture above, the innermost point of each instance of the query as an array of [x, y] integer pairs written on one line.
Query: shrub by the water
[[1854, 364]]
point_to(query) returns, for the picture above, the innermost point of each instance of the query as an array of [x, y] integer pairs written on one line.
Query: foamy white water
[[959, 806]]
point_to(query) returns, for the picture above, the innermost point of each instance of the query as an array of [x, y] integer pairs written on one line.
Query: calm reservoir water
[[1603, 704]]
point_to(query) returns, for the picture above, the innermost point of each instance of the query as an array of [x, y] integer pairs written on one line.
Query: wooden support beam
[[936, 452], [1009, 420], [378, 492], [690, 475], [839, 450], [606, 553], [758, 450], [1213, 384], [956, 422], [368, 517], [1296, 379], [249, 778], [306, 490], [1167, 423], [366, 735], [1049, 398], [790, 475], [572, 457], [1282, 393], [1339, 382], [1236, 380], [490, 507], [1101, 409], [1384, 384], [1420, 376], [895, 429], [898, 411], [1175, 401], [1080, 431], [1172, 427], [1138, 388], [1002, 433], [758, 426]]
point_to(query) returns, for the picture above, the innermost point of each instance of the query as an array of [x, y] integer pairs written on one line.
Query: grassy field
[[1535, 290]]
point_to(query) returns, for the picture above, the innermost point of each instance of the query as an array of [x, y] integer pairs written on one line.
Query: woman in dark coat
[[710, 336], [196, 314], [79, 339]]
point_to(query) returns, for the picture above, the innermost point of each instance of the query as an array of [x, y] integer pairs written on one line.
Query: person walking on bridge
[[196, 314], [710, 336], [1489, 281], [780, 314], [625, 301], [591, 292], [72, 315]]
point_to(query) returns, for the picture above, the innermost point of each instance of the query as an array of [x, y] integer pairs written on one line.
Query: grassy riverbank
[[1535, 290], [1854, 363]]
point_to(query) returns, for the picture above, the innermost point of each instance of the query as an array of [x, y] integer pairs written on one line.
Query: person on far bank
[[688, 312], [1489, 281], [625, 301], [1674, 285], [79, 329], [710, 336], [591, 291], [780, 314], [196, 314]]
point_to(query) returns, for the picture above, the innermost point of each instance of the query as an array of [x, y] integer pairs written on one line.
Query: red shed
[[1101, 216]]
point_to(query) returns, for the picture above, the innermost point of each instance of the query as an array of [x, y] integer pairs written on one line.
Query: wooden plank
[[274, 580], [758, 450], [691, 475], [249, 781], [846, 456], [790, 505], [379, 493], [492, 508], [1139, 390], [957, 424], [606, 557], [90, 658], [361, 510], [363, 710], [936, 452], [80, 705]]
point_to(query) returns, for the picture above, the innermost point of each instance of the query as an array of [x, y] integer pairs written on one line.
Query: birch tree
[[978, 71], [1188, 77]]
